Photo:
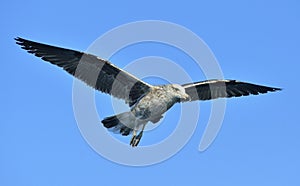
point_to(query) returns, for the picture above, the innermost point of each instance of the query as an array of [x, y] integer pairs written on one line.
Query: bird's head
[[179, 92]]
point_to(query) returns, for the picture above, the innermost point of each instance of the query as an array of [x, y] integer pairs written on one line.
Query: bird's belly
[[150, 109]]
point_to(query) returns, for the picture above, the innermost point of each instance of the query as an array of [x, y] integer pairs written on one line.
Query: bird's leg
[[133, 137], [134, 142]]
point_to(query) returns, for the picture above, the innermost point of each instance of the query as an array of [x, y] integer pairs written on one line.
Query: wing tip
[[273, 89], [22, 42], [19, 40], [278, 89]]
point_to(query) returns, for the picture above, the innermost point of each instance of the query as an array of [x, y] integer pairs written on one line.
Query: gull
[[147, 102]]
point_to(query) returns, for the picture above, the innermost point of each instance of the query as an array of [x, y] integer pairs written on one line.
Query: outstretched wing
[[96, 72], [213, 89]]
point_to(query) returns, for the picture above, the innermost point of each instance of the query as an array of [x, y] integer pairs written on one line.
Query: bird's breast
[[152, 105]]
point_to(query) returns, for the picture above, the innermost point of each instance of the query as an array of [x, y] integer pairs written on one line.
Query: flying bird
[[147, 102]]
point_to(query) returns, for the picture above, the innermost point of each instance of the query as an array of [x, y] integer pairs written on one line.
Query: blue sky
[[255, 41]]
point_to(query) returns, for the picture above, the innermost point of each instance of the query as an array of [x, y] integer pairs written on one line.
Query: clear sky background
[[256, 41]]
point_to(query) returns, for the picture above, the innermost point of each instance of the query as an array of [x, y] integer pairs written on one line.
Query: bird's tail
[[116, 123]]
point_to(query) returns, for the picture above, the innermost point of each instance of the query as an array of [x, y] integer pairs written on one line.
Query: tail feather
[[114, 123], [111, 121]]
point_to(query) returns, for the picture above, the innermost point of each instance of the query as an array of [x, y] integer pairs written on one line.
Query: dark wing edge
[[213, 89], [94, 71]]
